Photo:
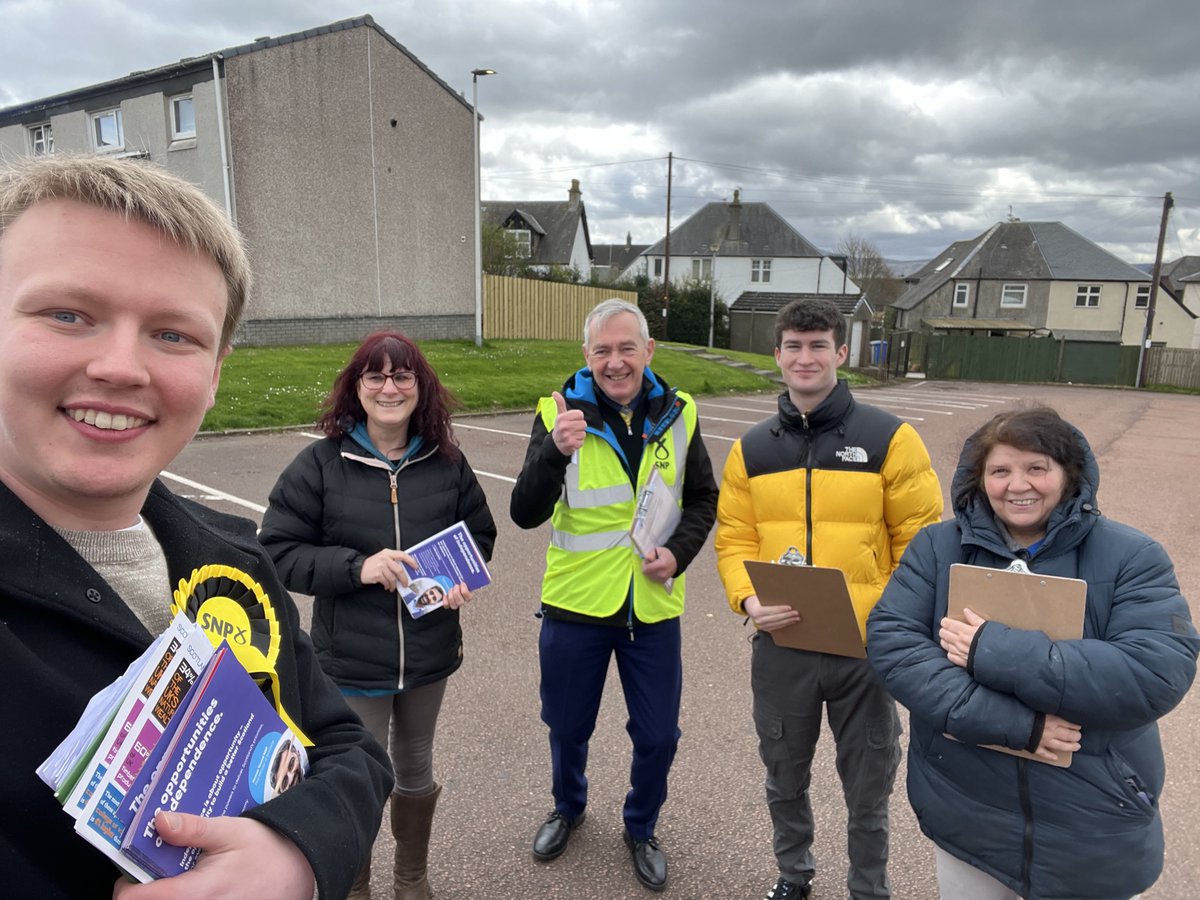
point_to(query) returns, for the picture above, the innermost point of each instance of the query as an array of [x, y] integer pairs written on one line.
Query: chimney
[[735, 217], [574, 194], [628, 240]]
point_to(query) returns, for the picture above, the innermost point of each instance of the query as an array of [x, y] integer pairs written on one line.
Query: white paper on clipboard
[[656, 516]]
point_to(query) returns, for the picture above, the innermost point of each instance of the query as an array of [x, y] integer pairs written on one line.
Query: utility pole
[[1168, 202], [667, 251]]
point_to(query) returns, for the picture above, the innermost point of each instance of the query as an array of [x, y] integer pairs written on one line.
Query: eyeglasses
[[401, 378]]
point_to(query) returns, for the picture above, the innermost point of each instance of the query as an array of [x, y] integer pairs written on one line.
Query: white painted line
[[212, 493], [987, 398], [704, 404], [494, 475], [731, 421], [520, 434], [934, 401], [880, 401]]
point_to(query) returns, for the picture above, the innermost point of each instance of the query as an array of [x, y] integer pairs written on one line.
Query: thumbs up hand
[[569, 427]]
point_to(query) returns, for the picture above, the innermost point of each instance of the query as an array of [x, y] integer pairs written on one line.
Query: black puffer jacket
[[331, 509]]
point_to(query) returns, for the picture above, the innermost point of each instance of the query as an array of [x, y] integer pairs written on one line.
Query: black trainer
[[551, 839], [785, 890]]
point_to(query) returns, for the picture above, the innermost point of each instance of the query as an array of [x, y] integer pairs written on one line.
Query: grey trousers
[[791, 687], [412, 717]]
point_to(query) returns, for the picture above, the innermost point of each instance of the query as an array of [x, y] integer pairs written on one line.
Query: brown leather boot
[[361, 889], [412, 820]]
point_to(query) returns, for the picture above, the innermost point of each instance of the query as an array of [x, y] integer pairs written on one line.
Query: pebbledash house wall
[[351, 174]]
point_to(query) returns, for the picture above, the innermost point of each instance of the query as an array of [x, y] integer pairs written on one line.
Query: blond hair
[[137, 190]]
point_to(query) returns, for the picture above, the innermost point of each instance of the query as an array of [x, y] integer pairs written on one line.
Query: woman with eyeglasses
[[387, 475]]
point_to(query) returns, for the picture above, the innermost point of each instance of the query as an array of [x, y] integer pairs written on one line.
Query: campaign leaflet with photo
[[226, 751], [132, 737], [447, 558]]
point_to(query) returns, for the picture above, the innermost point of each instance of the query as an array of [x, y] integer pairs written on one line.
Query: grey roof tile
[[742, 229]]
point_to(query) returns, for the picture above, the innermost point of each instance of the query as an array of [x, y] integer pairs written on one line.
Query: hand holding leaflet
[[448, 558]]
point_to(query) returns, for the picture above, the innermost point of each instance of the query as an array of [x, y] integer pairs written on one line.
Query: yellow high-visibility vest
[[591, 559]]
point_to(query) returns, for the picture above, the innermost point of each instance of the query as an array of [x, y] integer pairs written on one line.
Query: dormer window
[[522, 242]]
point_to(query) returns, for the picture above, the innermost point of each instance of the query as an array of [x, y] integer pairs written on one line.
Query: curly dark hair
[[341, 409], [1038, 429], [810, 314]]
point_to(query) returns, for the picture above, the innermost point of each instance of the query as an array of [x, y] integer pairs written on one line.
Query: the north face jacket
[[1089, 831], [847, 485]]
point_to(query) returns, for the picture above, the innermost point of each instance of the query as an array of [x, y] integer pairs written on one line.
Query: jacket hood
[[1070, 522]]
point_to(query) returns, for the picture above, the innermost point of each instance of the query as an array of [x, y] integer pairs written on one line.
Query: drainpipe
[[221, 136]]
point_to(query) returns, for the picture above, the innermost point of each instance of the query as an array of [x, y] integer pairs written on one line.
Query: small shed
[[752, 321]]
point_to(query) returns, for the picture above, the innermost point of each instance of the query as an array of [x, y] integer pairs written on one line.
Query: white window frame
[[760, 270], [1141, 300], [702, 268], [41, 139], [658, 267], [118, 120], [1087, 296], [1009, 295], [177, 133], [523, 238], [962, 295]]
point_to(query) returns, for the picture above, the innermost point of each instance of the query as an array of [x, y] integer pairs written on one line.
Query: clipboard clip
[[1018, 565], [792, 557]]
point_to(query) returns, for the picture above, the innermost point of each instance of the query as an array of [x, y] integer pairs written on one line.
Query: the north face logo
[[852, 455]]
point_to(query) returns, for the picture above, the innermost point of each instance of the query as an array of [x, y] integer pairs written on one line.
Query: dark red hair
[[341, 410]]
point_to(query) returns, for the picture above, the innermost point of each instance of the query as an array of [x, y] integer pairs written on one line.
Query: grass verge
[[278, 387]]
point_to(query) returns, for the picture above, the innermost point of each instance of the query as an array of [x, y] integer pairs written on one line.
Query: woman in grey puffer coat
[[1007, 826]]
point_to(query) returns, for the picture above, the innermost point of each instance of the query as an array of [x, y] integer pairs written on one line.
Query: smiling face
[[1023, 488], [109, 357], [388, 409], [808, 361], [617, 356]]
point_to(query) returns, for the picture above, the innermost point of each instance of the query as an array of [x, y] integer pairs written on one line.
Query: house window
[[1142, 300], [658, 267], [760, 270], [1087, 296], [183, 117], [522, 242], [945, 262], [701, 269], [41, 139], [1013, 295], [962, 294], [108, 133]]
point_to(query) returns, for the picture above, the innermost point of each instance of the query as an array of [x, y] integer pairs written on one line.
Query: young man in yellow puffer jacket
[[847, 486]]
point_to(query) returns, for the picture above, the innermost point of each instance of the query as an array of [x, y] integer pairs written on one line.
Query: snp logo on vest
[[852, 455]]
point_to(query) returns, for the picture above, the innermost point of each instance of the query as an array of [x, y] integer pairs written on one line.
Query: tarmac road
[[492, 753]]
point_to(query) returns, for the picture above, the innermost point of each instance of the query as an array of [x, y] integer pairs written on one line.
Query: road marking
[[211, 493], [519, 434]]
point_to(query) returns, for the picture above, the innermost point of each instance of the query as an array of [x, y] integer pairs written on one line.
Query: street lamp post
[[712, 293], [475, 73]]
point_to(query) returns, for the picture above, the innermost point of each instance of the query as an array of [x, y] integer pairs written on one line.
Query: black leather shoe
[[786, 890], [649, 862], [551, 839]]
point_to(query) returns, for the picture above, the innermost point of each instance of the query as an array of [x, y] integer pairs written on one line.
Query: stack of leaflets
[[184, 729], [447, 558]]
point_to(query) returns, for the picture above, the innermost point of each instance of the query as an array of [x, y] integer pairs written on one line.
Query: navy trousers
[[574, 662]]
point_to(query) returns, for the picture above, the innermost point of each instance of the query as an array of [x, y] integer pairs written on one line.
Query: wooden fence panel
[[1173, 365], [531, 309]]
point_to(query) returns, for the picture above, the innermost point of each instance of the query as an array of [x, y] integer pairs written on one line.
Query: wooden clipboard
[[1032, 602], [821, 596]]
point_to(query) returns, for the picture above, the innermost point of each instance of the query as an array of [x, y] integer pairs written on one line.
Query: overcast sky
[[911, 123]]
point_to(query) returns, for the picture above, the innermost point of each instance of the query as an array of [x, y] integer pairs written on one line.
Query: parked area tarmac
[[492, 755]]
